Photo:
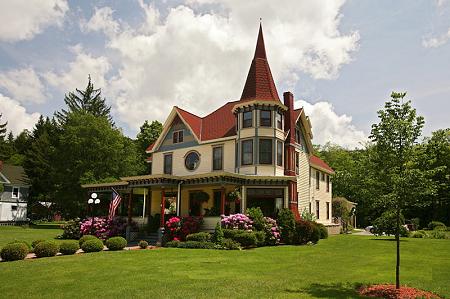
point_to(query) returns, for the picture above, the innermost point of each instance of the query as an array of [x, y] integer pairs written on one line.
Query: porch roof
[[196, 179]]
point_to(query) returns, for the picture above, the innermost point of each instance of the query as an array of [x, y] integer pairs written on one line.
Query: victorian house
[[252, 152]]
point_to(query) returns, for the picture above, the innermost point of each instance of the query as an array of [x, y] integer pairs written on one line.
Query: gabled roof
[[316, 162], [15, 175], [259, 84]]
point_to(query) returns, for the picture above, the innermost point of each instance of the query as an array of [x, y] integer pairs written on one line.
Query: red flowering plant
[[172, 229], [104, 228], [190, 225], [177, 228]]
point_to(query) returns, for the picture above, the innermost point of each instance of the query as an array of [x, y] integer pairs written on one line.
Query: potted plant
[[234, 196]]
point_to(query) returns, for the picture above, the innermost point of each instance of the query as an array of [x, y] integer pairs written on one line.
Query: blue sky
[[341, 59]]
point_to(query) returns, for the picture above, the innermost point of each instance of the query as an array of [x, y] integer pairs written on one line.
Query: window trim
[[18, 192], [242, 152], [185, 156], [328, 182], [221, 160], [261, 118], [297, 163], [177, 133], [279, 157], [271, 151], [171, 163], [317, 180], [278, 113], [318, 209], [328, 209], [243, 119]]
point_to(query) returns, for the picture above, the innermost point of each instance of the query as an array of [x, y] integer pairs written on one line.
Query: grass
[[11, 233], [331, 269]]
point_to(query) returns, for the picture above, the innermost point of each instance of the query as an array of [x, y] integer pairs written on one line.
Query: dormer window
[[177, 136], [15, 192], [279, 120], [247, 121], [265, 118]]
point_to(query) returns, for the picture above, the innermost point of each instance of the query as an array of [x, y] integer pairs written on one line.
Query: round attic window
[[192, 161]]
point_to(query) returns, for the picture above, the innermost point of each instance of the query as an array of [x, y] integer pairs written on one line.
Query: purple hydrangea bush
[[104, 228], [237, 221], [273, 235]]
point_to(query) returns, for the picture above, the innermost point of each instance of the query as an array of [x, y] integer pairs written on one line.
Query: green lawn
[[11, 233], [330, 269]]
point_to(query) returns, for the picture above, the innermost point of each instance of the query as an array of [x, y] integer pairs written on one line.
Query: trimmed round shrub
[[116, 243], [46, 249], [86, 238], [260, 238], [92, 245], [229, 244], [35, 242], [143, 244], [196, 245], [246, 239], [199, 237], [23, 242], [315, 235], [69, 247], [172, 244], [303, 231], [323, 230], [436, 225], [419, 234], [231, 233], [14, 252]]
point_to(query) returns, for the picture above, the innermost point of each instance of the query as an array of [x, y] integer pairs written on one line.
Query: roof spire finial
[[260, 51]]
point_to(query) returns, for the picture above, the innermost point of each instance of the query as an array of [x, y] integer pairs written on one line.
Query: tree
[[5, 146], [147, 135], [89, 150], [89, 100], [394, 139]]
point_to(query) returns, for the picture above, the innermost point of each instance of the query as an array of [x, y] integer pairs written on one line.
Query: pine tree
[[89, 101], [5, 148], [2, 129]]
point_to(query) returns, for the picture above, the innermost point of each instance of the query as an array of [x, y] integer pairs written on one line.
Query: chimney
[[289, 124]]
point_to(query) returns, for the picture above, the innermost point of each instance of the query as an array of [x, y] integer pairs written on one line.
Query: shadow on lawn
[[337, 290], [375, 239]]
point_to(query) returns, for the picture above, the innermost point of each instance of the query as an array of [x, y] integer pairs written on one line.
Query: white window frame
[[18, 192], [178, 136]]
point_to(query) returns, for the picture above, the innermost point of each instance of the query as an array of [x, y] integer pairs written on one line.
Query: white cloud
[[199, 58], [435, 42], [23, 19], [23, 85], [328, 126], [76, 75], [17, 117]]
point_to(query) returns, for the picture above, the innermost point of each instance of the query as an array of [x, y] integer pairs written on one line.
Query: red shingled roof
[[150, 147], [194, 121], [316, 161], [297, 113], [259, 84]]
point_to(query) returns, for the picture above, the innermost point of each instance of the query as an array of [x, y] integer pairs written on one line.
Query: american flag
[[115, 202]]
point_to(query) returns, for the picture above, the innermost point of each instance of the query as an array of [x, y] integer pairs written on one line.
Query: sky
[[341, 59]]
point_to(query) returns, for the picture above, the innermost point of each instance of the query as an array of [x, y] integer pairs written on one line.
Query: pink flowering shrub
[[104, 228], [176, 228], [237, 221], [273, 236]]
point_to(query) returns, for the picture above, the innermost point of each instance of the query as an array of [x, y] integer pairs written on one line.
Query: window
[[265, 119], [265, 151], [279, 119], [310, 207], [317, 209], [218, 158], [323, 176], [13, 208], [279, 153], [328, 183], [168, 164], [317, 179], [297, 162], [328, 210], [177, 136], [247, 152], [192, 160], [297, 136], [247, 122], [15, 192]]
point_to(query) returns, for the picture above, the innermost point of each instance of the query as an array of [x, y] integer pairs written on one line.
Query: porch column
[[243, 199], [128, 229], [145, 200], [286, 197], [222, 201], [163, 203]]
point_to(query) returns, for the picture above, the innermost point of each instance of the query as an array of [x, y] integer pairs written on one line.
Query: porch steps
[[152, 239]]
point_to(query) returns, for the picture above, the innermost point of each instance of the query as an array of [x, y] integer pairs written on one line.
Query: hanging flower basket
[[234, 196]]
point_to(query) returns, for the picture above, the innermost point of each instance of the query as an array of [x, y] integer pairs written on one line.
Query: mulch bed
[[390, 292]]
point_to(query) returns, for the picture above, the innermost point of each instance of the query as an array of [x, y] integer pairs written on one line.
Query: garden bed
[[390, 292]]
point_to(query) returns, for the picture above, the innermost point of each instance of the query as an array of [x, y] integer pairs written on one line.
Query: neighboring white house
[[13, 199]]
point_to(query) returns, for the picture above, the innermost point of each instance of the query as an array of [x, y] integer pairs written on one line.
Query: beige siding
[[303, 182], [322, 196], [205, 152]]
